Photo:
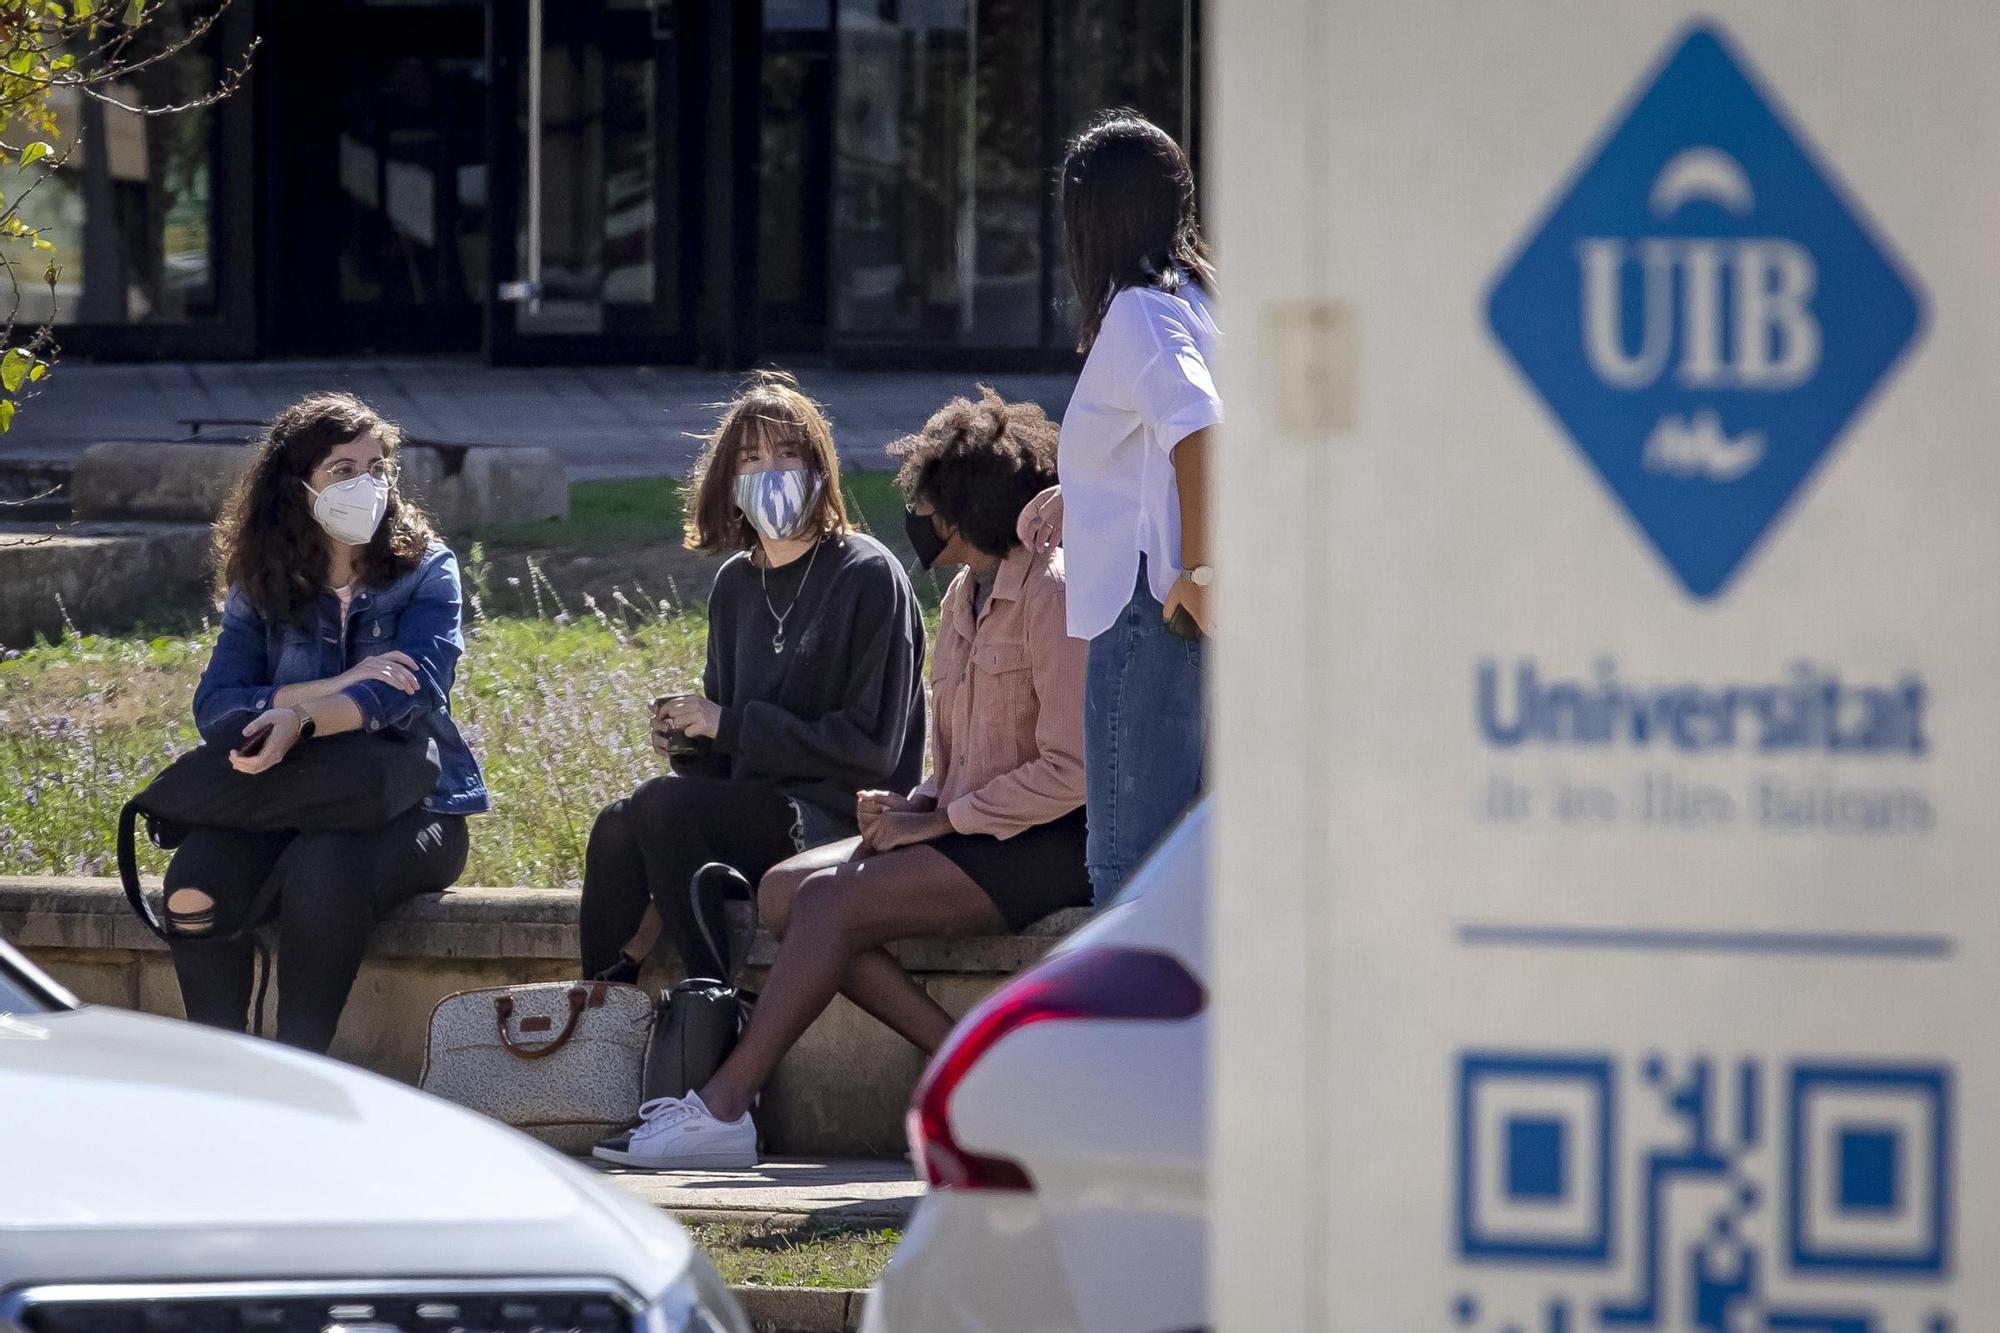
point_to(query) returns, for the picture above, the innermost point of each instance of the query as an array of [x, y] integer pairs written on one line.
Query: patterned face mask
[[776, 502]]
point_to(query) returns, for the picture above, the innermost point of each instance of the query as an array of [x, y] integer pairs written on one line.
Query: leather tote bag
[[560, 1060], [355, 781], [697, 1022]]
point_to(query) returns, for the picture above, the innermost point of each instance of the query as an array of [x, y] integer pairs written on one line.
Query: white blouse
[[1147, 384]]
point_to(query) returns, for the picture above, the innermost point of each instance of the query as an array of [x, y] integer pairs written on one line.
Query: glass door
[[589, 210]]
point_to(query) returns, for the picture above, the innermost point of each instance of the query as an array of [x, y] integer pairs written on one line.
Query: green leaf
[[6, 415], [36, 371], [34, 153], [14, 367], [135, 13]]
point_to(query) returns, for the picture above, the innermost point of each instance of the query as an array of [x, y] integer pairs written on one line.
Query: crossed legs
[[833, 910]]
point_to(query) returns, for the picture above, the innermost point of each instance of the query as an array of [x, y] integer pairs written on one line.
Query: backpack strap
[[135, 896]]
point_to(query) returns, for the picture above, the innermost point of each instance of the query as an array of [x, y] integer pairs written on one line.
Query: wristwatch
[[1200, 575], [306, 724]]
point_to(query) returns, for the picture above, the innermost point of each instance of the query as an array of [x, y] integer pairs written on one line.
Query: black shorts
[[1037, 871]]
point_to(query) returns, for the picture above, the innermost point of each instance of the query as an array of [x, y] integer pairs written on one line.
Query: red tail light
[[1106, 983]]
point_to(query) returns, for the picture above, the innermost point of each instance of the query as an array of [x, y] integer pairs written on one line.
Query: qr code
[[1738, 1194]]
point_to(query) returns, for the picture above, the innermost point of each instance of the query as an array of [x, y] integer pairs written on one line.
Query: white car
[[164, 1176], [1062, 1129]]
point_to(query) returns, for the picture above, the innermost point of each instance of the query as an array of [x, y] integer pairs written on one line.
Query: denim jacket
[[417, 614]]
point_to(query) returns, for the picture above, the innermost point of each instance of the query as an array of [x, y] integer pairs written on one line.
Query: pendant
[[777, 643]]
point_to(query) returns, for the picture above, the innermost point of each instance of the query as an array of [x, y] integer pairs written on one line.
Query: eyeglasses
[[342, 469]]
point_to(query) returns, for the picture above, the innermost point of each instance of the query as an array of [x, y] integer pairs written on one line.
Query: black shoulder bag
[[696, 1023], [354, 782]]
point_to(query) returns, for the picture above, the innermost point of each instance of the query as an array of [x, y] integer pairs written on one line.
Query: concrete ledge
[[83, 933], [801, 1309], [466, 487], [63, 912], [104, 575]]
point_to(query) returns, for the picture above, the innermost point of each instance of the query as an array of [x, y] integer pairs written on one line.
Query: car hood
[[140, 1148]]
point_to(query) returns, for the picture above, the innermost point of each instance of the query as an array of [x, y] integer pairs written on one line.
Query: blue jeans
[[1143, 735]]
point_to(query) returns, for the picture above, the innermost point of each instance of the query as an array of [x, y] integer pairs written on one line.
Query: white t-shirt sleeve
[[1174, 390]]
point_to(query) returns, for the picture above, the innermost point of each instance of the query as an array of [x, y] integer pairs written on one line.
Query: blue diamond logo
[[1704, 312]]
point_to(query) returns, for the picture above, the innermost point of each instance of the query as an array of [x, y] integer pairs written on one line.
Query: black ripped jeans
[[647, 846], [332, 889]]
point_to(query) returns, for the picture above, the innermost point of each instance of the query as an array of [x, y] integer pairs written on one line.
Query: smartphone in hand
[[1182, 625]]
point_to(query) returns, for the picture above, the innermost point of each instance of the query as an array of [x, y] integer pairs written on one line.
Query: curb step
[[801, 1309]]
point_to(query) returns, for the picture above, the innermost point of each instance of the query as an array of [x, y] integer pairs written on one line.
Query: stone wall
[[841, 1092]]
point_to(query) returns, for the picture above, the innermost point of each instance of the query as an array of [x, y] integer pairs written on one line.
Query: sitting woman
[[813, 689], [342, 613], [993, 840]]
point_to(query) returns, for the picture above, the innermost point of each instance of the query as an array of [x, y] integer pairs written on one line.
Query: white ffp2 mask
[[351, 510]]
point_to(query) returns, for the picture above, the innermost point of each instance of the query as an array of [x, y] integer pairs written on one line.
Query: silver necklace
[[764, 581]]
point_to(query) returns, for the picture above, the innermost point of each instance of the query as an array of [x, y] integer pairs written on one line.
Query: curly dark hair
[[267, 544], [979, 464]]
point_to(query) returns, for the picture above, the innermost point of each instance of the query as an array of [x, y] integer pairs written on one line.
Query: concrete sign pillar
[[1608, 699]]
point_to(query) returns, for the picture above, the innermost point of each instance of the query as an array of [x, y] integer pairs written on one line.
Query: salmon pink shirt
[[1007, 691]]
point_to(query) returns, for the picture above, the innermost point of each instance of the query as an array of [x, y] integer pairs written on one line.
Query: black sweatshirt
[[841, 709]]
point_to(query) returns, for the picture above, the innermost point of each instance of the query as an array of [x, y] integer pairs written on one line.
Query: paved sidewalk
[[851, 1193], [605, 421]]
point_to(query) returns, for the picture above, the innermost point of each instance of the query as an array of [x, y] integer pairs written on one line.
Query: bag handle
[[128, 868], [732, 958], [580, 998], [135, 897]]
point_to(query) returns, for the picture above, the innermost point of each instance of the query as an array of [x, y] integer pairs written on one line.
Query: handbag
[[696, 1023], [559, 1060], [354, 782]]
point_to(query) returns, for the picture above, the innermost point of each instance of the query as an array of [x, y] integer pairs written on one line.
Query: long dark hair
[[1129, 217], [267, 544]]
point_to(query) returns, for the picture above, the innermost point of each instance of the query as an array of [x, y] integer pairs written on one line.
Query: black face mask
[[922, 531]]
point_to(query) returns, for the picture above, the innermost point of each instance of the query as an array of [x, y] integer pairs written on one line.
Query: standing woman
[[1133, 463], [342, 614], [813, 690]]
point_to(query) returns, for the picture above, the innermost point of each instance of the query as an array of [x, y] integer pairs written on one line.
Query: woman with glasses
[[342, 614]]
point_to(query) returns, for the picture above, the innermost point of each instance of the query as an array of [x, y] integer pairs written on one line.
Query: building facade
[[543, 181]]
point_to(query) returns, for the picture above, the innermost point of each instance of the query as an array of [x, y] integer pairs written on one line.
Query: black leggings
[[332, 888], [646, 848]]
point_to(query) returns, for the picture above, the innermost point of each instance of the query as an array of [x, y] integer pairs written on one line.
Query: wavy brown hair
[[269, 547], [770, 408]]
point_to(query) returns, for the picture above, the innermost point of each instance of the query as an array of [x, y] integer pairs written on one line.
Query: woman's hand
[[279, 730], [1191, 596], [903, 828], [692, 714], [395, 669], [870, 806]]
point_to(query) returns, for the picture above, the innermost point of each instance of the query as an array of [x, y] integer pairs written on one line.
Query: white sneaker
[[680, 1133]]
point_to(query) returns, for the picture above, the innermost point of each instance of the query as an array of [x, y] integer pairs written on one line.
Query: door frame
[[674, 33]]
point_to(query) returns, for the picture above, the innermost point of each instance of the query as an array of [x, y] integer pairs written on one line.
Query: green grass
[[752, 1256], [554, 705], [555, 709], [608, 514]]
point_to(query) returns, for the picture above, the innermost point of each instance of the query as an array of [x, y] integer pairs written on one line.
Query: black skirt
[[1037, 871]]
